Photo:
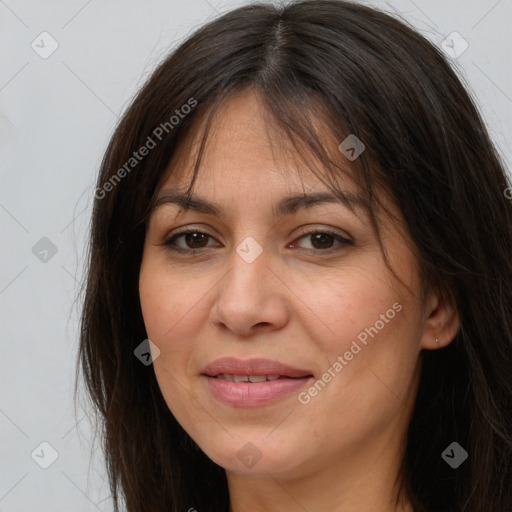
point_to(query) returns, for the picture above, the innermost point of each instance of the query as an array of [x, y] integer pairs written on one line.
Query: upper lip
[[255, 366]]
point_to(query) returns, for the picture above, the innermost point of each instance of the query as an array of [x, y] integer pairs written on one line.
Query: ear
[[441, 320]]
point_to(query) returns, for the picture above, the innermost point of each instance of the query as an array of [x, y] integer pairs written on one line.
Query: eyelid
[[342, 239], [170, 239], [307, 230], [304, 230], [187, 229]]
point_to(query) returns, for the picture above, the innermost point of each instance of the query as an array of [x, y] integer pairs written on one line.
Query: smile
[[252, 382]]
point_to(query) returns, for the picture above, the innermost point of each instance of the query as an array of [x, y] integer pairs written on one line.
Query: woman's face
[[253, 283]]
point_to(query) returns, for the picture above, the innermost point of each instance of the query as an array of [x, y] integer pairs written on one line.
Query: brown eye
[[195, 240], [324, 240], [192, 240]]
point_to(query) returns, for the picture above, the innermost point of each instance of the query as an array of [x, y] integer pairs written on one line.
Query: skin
[[297, 303]]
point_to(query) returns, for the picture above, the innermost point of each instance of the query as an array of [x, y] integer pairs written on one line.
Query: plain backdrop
[[57, 113]]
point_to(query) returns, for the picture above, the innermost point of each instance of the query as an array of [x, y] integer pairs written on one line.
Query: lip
[[256, 394], [255, 366]]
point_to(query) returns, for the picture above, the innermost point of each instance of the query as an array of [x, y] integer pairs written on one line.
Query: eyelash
[[170, 242]]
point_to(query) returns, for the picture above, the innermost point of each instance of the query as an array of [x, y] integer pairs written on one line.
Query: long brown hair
[[361, 72]]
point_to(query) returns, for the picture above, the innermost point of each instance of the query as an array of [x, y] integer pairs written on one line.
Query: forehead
[[245, 149]]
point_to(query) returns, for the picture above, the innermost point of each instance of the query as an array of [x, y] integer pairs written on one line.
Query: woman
[[298, 294]]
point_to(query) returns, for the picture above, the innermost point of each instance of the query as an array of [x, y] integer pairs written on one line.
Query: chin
[[251, 455]]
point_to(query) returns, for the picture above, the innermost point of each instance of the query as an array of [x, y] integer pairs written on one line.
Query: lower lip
[[253, 394]]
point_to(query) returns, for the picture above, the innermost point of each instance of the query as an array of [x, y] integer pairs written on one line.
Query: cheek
[[171, 308], [167, 301], [370, 360], [343, 307], [172, 312], [367, 337]]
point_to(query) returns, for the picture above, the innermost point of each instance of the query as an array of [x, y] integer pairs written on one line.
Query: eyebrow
[[286, 206]]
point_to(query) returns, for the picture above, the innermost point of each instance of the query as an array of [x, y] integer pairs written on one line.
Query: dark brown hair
[[361, 72]]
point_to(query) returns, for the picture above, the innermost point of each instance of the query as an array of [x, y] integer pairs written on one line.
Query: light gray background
[[56, 116]]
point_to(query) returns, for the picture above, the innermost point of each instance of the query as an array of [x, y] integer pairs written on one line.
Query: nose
[[251, 298]]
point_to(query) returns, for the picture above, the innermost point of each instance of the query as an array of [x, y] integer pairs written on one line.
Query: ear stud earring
[[437, 340]]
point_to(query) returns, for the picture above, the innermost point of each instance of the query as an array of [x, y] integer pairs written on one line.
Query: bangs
[[303, 126]]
